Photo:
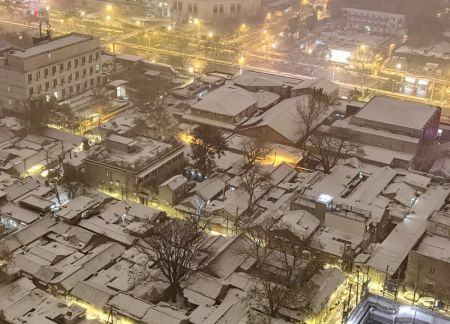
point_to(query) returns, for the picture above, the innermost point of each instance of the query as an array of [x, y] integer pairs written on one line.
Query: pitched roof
[[227, 100]]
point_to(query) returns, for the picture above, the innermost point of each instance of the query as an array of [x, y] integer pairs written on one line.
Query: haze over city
[[224, 161]]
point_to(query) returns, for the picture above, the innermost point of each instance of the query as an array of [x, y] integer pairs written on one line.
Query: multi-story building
[[128, 167], [374, 21], [61, 67], [207, 11]]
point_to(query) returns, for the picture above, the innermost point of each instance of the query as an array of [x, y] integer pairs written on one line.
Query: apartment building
[[61, 68], [374, 21], [211, 11]]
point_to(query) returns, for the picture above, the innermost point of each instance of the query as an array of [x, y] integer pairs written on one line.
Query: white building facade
[[374, 21], [61, 68], [209, 11]]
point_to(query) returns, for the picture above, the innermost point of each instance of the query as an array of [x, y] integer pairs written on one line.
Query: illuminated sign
[[340, 56]]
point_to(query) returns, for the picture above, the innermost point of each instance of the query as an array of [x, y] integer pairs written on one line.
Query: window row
[[67, 66], [77, 75], [192, 8], [45, 88]]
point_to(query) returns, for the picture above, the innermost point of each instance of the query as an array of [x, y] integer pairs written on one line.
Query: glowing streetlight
[[169, 28], [138, 23], [269, 16], [241, 60], [210, 34], [398, 66], [111, 9], [47, 8], [197, 22], [191, 70], [265, 32], [82, 13]]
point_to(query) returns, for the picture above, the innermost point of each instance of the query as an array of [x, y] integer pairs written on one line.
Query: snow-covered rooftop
[[57, 43], [226, 100], [393, 250], [436, 247], [390, 111]]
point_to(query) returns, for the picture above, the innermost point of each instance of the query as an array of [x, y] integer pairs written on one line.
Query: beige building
[[374, 21], [209, 11], [59, 68]]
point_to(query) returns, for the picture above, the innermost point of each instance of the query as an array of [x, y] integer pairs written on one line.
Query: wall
[[345, 224], [205, 9], [431, 275]]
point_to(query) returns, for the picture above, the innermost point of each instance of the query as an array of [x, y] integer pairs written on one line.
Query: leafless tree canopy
[[254, 150], [161, 122], [6, 256], [254, 181], [328, 149], [282, 271], [175, 248], [310, 110]]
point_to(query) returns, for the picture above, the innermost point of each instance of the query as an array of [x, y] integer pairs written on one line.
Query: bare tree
[[72, 181], [101, 100], [151, 95], [327, 149], [182, 43], [161, 121], [6, 256], [258, 238], [254, 182], [311, 109], [254, 150], [282, 271], [176, 248]]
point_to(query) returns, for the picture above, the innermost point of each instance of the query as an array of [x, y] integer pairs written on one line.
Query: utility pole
[[385, 279], [416, 283], [357, 287]]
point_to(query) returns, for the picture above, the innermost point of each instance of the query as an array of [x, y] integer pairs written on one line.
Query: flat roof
[[390, 111], [52, 45]]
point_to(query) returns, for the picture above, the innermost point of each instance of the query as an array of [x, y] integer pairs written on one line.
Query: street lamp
[[110, 8], [242, 28], [197, 22], [148, 37], [399, 66], [169, 28], [210, 34]]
